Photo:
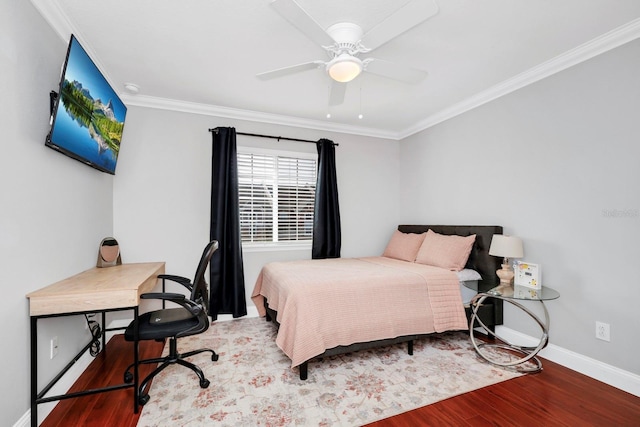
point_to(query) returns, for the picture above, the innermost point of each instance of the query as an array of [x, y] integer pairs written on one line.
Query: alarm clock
[[527, 275]]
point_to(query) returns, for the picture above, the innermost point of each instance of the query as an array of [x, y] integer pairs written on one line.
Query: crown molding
[[52, 13], [59, 22], [254, 116], [608, 41]]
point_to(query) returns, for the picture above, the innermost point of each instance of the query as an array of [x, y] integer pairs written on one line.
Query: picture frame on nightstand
[[527, 274]]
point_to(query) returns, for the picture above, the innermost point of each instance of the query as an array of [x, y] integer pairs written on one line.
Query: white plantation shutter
[[255, 193], [276, 195], [296, 195]]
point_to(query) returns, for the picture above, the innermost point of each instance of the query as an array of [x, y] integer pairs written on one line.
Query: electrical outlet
[[54, 347], [603, 331]]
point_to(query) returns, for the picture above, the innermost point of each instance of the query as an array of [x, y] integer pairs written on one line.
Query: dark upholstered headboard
[[479, 259]]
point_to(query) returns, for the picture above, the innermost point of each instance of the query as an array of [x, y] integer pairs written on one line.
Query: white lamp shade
[[506, 246], [344, 68]]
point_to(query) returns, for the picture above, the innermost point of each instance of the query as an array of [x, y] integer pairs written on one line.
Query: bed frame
[[479, 259]]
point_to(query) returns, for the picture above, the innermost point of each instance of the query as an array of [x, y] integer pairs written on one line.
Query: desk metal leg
[[34, 371], [38, 397], [104, 331], [528, 353], [136, 356]]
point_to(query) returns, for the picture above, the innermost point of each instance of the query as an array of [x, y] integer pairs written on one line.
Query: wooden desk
[[97, 290]]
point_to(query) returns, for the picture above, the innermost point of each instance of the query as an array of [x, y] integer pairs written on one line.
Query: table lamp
[[506, 247]]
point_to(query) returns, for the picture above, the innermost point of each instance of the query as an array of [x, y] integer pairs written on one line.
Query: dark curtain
[[227, 273], [326, 215]]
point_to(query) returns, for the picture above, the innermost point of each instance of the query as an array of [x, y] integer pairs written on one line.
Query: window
[[276, 195]]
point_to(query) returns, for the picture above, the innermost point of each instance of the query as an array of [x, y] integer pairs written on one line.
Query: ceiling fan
[[344, 42]]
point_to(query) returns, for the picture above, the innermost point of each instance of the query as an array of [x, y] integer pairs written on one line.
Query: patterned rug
[[253, 384]]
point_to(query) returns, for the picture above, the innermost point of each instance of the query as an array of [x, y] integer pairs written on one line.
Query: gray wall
[[555, 163], [54, 212], [162, 189]]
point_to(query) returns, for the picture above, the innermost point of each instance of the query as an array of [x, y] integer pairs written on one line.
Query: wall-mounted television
[[87, 116]]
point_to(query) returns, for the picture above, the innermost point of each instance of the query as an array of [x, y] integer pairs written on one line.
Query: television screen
[[88, 116]]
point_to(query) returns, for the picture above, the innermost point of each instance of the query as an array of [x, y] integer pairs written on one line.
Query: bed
[[328, 307]]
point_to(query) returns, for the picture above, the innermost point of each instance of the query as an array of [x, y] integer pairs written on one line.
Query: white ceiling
[[203, 55]]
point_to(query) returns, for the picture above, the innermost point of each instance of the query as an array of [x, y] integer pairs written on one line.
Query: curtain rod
[[272, 137]]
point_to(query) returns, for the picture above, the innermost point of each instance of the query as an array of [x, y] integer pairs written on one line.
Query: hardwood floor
[[114, 408], [555, 397]]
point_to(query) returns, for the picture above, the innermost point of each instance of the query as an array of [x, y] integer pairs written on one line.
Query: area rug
[[253, 384]]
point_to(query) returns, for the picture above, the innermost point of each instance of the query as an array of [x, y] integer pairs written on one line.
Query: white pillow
[[467, 274]]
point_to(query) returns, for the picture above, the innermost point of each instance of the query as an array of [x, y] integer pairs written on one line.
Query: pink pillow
[[404, 246], [450, 252]]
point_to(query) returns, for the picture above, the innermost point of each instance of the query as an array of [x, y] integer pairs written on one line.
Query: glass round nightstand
[[511, 294]]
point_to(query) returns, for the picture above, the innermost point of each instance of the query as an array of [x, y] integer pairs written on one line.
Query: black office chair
[[173, 323]]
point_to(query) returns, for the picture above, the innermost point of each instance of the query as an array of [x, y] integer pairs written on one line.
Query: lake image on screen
[[90, 117]]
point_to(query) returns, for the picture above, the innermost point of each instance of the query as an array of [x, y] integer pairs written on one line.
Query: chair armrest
[[167, 296], [178, 279], [179, 299]]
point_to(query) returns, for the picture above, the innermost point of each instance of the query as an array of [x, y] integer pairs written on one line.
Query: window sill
[[275, 247]]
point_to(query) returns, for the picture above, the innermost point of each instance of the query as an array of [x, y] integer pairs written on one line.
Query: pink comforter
[[322, 304]]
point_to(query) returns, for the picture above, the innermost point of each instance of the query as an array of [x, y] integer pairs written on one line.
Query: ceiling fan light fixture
[[344, 68]]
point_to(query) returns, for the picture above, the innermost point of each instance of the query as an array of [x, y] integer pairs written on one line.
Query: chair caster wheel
[[204, 383], [128, 377], [214, 357], [142, 400]]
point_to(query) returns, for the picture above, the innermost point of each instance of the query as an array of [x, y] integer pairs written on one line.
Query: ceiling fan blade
[[410, 15], [292, 12], [394, 71], [280, 72], [336, 96]]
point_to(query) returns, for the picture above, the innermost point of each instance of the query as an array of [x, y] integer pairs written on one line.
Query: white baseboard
[[71, 376], [62, 386], [251, 312], [68, 379], [595, 369], [24, 421], [608, 374]]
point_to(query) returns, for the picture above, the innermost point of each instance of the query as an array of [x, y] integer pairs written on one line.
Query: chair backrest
[[200, 291]]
